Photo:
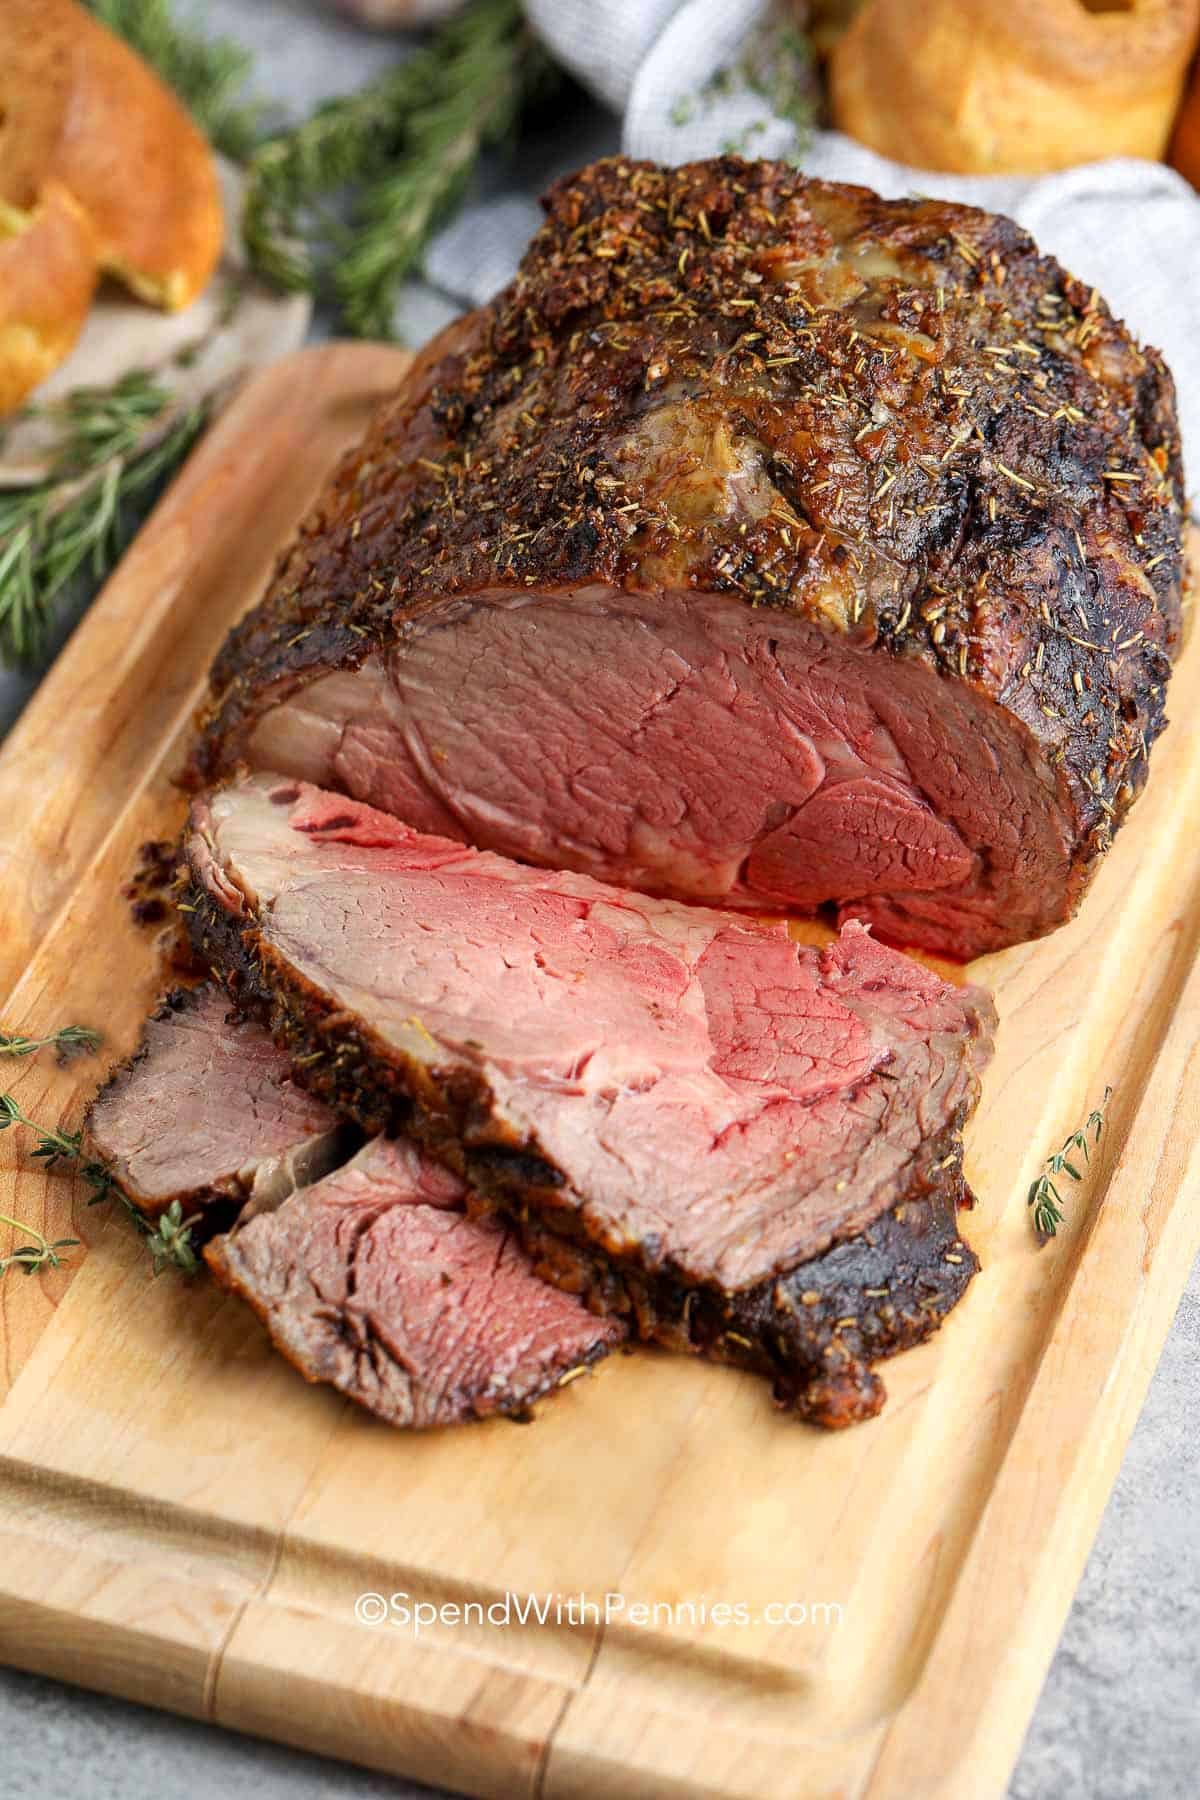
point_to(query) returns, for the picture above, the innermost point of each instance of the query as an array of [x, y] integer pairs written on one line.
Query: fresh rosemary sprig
[[119, 445], [40, 1254], [288, 221], [478, 78], [208, 74], [169, 1240], [1044, 1198], [68, 1039], [345, 203]]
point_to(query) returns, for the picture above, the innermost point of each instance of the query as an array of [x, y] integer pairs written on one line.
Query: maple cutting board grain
[[182, 1520]]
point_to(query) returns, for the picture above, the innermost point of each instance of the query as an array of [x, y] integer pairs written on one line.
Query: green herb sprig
[[345, 203], [1044, 1198], [289, 223], [39, 1254], [68, 1040], [169, 1240], [55, 1147], [208, 74], [119, 445]]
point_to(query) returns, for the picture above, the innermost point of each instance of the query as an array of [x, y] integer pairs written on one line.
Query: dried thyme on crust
[[1044, 1199]]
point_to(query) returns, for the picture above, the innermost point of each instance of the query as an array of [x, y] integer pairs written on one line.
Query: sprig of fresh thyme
[[208, 74], [169, 1240], [345, 203], [54, 1147], [68, 1040], [1044, 1198], [39, 1254], [119, 445]]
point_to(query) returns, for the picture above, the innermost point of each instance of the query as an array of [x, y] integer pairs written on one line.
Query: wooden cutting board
[[183, 1521]]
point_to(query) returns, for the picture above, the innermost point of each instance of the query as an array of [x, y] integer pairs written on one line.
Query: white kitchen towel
[[675, 70]]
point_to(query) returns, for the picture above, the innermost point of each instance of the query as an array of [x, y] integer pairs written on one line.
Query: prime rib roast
[[378, 1282], [765, 544], [765, 548], [680, 1109]]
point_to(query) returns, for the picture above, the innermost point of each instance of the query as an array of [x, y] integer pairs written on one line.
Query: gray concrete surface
[[1119, 1717]]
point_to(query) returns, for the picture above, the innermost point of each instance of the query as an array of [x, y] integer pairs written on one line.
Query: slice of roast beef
[[376, 1282], [765, 543], [694, 1097], [206, 1113], [374, 1278], [368, 1273]]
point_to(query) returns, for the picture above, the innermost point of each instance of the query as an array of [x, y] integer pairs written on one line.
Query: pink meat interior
[[718, 1097], [685, 745], [375, 1280]]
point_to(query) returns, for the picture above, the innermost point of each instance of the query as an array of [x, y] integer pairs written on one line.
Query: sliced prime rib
[[377, 1282], [692, 1092], [764, 544], [348, 1270], [368, 1273], [206, 1112], [677, 1106]]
